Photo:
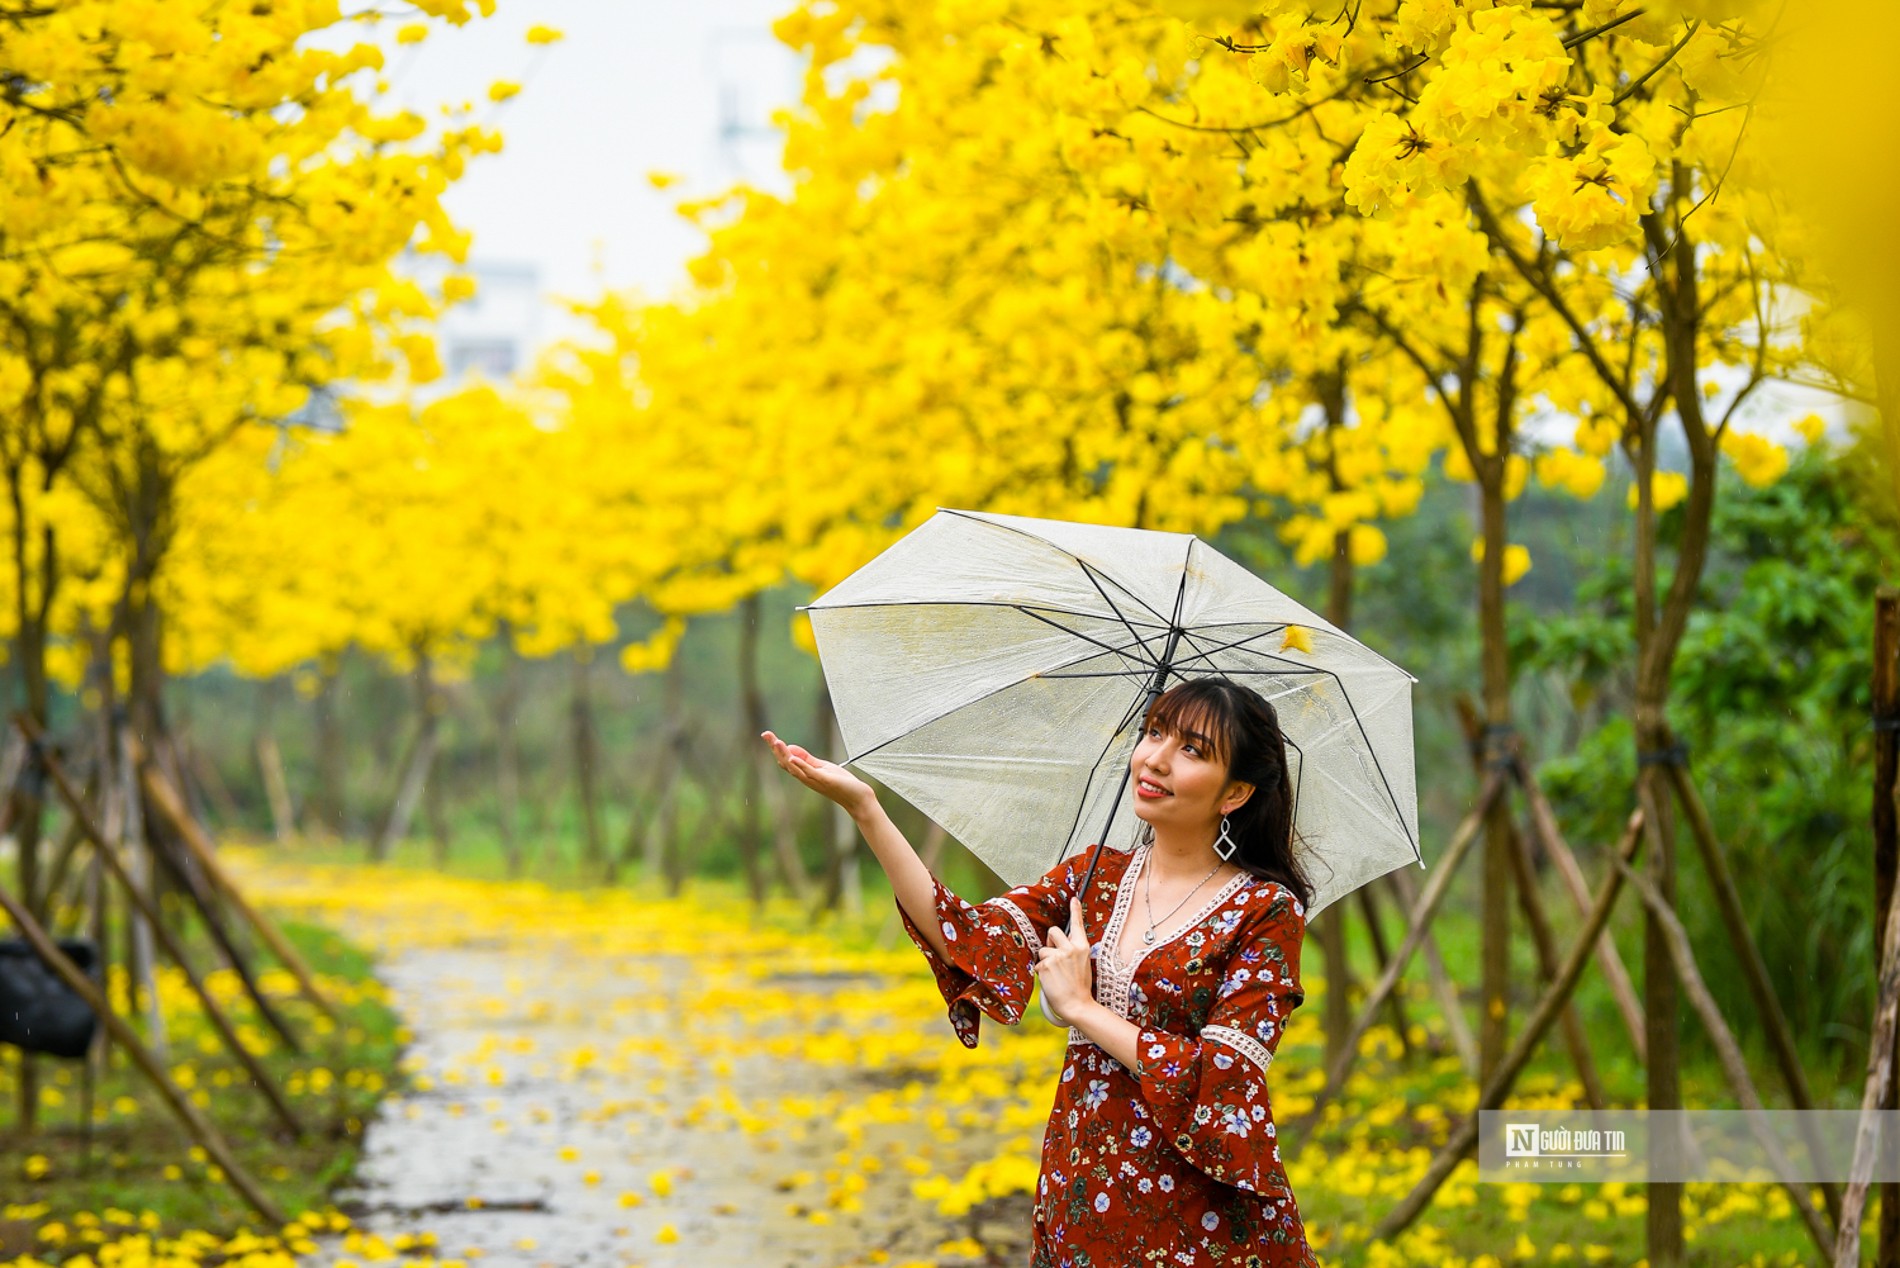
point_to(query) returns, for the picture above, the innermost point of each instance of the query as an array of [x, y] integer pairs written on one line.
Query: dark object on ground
[[38, 1012]]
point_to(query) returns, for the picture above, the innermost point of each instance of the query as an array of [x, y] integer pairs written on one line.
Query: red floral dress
[[1175, 1162]]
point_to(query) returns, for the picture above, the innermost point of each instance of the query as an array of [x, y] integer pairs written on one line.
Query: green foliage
[[1771, 693]]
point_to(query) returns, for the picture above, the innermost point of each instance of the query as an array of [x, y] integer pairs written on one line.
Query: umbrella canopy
[[993, 670]]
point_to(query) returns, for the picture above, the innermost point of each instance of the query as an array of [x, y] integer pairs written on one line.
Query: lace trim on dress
[[1240, 1041], [1114, 981], [1022, 920]]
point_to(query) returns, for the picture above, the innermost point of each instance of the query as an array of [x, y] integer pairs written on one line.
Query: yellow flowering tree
[[198, 216]]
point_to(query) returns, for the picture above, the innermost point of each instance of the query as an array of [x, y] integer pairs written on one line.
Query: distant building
[[493, 334]]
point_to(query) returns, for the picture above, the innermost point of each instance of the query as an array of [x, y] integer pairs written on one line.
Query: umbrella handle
[[1049, 1014]]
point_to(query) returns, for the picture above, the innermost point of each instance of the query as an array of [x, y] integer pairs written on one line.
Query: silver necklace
[[1148, 893]]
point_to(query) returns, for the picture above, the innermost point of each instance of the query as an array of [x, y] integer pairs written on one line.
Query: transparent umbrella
[[993, 670]]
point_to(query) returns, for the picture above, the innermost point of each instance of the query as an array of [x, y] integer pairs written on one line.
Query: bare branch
[[1695, 24], [1584, 36]]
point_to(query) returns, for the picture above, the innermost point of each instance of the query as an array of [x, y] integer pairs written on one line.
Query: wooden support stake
[[105, 854], [1465, 1137], [1462, 1040], [1882, 1088], [1525, 873], [1382, 955], [1544, 820], [270, 762], [1420, 919], [1728, 901], [1875, 1094], [213, 783], [161, 795], [138, 918], [1682, 956], [196, 1125]]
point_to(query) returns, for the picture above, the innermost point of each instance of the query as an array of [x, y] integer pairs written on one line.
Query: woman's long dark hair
[[1245, 733]]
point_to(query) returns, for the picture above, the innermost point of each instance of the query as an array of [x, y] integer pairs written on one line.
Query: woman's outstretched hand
[[829, 778]]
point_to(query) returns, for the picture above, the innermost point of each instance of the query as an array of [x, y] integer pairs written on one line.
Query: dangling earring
[[1226, 845], [1147, 836]]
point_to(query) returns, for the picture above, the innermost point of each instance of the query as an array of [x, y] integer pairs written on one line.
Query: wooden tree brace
[[89, 832], [1545, 943], [1682, 956], [1420, 920], [1465, 1137], [1728, 901], [160, 792], [76, 804], [196, 1125], [1544, 821]]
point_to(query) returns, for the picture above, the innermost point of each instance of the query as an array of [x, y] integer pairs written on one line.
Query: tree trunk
[[435, 788], [751, 776], [1886, 828], [586, 748], [415, 771], [842, 886], [655, 832], [1494, 1033], [1331, 925], [270, 765], [328, 810], [1661, 621], [1662, 1030], [508, 754]]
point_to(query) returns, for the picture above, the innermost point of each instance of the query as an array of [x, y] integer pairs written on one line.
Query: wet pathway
[[576, 1104]]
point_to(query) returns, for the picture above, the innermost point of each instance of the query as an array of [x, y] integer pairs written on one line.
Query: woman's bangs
[[1189, 716]]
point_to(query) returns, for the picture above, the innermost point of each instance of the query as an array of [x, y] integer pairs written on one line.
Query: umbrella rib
[[1327, 627], [1094, 581], [1189, 635], [1107, 673], [1293, 815], [1084, 637], [1297, 671], [1011, 528], [1242, 643], [1139, 702], [1380, 767], [1082, 802], [961, 603], [995, 691], [1357, 722]]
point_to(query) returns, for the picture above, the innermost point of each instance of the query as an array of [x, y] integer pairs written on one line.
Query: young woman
[[1161, 1146]]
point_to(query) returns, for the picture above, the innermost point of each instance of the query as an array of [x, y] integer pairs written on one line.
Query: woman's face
[[1178, 781]]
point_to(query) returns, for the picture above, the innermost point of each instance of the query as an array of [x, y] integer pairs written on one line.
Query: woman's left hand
[[1063, 966]]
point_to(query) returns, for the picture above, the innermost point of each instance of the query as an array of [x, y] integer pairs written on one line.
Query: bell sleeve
[[992, 945], [1208, 1093]]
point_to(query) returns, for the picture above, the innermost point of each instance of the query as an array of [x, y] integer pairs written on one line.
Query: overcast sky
[[637, 86]]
